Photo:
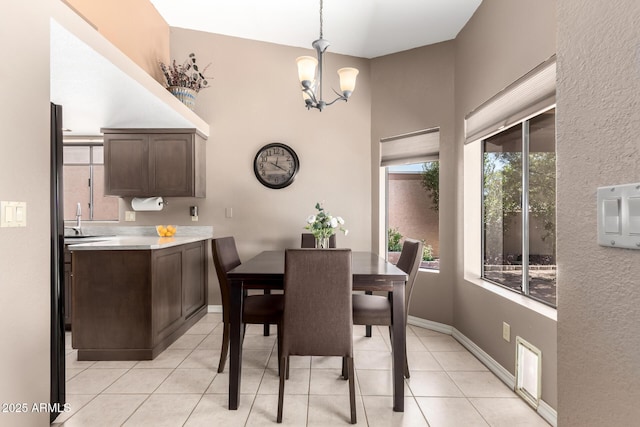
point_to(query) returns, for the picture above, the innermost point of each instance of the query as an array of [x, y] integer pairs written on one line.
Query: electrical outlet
[[506, 332], [129, 215]]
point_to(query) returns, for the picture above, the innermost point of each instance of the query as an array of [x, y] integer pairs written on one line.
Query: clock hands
[[278, 166]]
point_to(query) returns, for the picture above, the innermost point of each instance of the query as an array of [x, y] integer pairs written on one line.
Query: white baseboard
[[544, 410], [214, 309]]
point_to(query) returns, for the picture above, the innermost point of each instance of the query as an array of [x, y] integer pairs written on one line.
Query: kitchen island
[[134, 295]]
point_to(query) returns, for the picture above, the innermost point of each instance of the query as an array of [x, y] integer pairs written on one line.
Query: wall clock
[[276, 165]]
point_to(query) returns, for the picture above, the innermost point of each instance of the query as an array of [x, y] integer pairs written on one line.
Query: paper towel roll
[[148, 204]]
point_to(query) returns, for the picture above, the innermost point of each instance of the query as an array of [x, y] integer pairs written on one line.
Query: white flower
[[346, 232], [334, 222], [340, 220], [311, 219]]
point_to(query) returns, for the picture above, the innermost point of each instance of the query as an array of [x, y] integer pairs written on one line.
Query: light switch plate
[[619, 216], [129, 216], [13, 214]]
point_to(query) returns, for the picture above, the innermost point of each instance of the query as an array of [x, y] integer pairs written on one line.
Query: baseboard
[[214, 309], [429, 324], [544, 410], [549, 414]]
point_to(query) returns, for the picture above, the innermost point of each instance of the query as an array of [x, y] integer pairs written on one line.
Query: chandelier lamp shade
[[310, 75]]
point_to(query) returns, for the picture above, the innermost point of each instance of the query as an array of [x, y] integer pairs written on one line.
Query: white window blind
[[527, 96], [413, 147]]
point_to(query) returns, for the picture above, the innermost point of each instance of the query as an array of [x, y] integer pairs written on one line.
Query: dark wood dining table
[[266, 271]]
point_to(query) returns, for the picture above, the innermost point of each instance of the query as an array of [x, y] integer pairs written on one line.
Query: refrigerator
[[57, 398]]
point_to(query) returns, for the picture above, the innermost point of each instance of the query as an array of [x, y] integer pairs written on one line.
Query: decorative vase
[[186, 95], [322, 242]]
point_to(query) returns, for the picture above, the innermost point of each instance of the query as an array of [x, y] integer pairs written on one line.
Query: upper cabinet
[[154, 162]]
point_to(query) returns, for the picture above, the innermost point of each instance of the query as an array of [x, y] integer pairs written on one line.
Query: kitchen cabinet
[[154, 162], [131, 304]]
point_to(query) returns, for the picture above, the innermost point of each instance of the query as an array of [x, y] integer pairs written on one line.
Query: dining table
[[266, 271]]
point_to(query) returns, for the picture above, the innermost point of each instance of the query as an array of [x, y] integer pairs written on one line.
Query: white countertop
[[120, 243]]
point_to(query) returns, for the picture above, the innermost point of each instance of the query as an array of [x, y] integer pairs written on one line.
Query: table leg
[[235, 343], [367, 328], [398, 344], [266, 325]]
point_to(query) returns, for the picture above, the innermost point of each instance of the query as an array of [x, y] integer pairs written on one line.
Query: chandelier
[[312, 83]]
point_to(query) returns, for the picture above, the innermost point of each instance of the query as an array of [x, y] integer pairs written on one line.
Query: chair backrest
[[409, 262], [308, 241], [318, 317], [225, 258]]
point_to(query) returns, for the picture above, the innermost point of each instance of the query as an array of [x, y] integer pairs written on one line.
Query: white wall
[[24, 176], [598, 122]]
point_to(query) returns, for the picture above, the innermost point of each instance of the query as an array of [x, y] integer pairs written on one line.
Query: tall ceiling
[[363, 28]]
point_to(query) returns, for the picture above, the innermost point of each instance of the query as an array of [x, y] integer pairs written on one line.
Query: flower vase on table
[[323, 225], [322, 242]]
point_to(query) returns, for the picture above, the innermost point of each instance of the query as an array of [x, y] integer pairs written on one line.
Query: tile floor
[[448, 386]]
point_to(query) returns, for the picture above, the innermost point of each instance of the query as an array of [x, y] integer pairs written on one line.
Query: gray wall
[[414, 90], [502, 41], [598, 123], [24, 176]]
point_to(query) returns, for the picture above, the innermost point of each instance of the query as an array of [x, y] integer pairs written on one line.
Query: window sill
[[533, 305]]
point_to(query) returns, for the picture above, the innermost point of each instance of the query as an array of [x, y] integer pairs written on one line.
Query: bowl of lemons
[[166, 230]]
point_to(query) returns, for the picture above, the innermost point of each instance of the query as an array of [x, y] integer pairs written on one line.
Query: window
[[412, 173], [83, 177], [412, 210], [518, 208]]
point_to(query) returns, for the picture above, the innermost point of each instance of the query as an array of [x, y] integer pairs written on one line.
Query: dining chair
[[376, 309], [309, 241], [256, 309], [317, 319]]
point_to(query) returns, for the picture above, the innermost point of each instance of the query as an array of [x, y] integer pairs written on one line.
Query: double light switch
[[619, 216]]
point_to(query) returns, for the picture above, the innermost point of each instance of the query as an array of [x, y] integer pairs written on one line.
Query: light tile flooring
[[181, 387]]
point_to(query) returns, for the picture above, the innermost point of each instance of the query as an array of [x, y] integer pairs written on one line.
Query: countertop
[[120, 243]]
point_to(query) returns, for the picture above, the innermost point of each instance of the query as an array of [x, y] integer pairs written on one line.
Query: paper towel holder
[[148, 203]]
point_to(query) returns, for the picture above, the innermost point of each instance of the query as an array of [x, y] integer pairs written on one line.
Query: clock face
[[276, 165]]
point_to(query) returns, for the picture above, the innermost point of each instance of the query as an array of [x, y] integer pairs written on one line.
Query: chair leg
[[367, 328], [225, 347], [284, 367], [345, 370], [406, 363], [352, 390]]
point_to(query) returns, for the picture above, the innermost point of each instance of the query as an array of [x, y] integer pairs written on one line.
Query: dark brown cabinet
[[154, 162], [132, 304]]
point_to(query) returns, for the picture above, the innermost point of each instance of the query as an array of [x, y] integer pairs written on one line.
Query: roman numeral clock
[[276, 165]]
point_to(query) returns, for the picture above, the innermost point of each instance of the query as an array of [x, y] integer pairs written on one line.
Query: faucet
[[78, 226]]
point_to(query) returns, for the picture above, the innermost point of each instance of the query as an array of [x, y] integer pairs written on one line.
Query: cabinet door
[[126, 164], [171, 165], [166, 298], [194, 289]]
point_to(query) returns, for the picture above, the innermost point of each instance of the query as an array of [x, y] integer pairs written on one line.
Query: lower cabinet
[[132, 304]]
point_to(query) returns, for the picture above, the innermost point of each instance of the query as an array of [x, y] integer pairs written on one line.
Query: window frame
[[91, 143], [525, 134]]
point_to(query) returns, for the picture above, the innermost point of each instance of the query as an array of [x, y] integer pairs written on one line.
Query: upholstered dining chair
[[317, 319], [308, 241], [256, 309], [376, 310]]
